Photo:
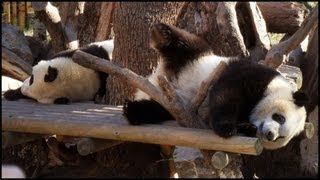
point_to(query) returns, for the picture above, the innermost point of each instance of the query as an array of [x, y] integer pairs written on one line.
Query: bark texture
[[131, 23]]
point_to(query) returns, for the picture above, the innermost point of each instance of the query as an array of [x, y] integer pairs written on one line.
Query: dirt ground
[[128, 160]]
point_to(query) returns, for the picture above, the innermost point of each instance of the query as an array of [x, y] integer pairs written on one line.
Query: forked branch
[[184, 114], [277, 54]]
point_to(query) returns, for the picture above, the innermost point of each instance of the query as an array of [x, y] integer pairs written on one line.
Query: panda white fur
[[60, 80], [248, 98]]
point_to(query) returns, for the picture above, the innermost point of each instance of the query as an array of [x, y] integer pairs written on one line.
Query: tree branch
[[99, 64], [175, 105], [70, 13], [167, 97], [277, 54], [205, 85], [49, 16]]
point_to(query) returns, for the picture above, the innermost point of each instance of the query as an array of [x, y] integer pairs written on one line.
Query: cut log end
[[220, 160], [309, 129]]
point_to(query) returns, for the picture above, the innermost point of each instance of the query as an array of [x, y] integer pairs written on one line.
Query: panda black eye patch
[[52, 74], [278, 118], [31, 80]]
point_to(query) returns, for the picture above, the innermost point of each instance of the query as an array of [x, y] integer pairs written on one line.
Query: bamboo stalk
[[29, 8], [14, 13], [22, 15], [6, 10]]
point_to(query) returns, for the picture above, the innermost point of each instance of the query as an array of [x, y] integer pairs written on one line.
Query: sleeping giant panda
[[249, 98], [60, 80]]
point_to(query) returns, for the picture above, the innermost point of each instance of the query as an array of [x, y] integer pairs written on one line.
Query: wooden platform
[[107, 122]]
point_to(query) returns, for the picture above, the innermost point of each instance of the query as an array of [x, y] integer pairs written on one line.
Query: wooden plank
[[107, 122]]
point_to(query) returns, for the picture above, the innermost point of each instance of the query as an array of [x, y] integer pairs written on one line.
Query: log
[[283, 17], [14, 138], [14, 66], [220, 160], [86, 146], [107, 122], [14, 40], [309, 129]]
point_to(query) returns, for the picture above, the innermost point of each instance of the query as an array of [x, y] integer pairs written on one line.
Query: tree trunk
[[103, 30], [88, 22], [232, 29], [310, 70], [132, 22]]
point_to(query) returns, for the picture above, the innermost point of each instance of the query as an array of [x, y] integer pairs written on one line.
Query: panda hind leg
[[61, 100], [145, 112]]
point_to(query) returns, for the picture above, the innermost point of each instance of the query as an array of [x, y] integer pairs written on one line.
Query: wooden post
[[14, 138], [167, 154], [309, 129], [87, 146], [22, 15], [14, 18]]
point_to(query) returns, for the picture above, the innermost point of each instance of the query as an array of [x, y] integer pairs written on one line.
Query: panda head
[[280, 115], [59, 81]]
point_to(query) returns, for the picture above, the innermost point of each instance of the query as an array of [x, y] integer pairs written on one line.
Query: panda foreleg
[[99, 97], [224, 119], [14, 94], [145, 112]]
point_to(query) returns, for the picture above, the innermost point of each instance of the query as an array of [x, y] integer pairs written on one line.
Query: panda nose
[[270, 136]]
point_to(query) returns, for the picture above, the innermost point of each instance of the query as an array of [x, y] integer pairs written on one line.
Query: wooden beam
[[107, 122]]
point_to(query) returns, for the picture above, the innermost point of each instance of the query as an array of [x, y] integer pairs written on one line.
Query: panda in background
[[248, 98], [59, 80]]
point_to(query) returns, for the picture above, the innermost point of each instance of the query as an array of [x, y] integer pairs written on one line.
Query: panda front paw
[[225, 129], [247, 129], [161, 36]]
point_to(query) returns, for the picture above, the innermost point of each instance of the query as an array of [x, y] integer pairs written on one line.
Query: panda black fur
[[59, 80], [248, 98]]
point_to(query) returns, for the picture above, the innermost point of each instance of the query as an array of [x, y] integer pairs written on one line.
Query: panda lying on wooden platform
[[61, 81], [248, 98]]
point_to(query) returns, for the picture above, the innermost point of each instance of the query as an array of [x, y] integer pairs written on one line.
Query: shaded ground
[[134, 160]]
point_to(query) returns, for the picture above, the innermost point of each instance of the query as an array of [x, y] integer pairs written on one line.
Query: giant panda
[[59, 80], [248, 98]]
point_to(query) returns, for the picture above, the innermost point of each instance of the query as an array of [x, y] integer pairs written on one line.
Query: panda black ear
[[300, 98], [52, 74]]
